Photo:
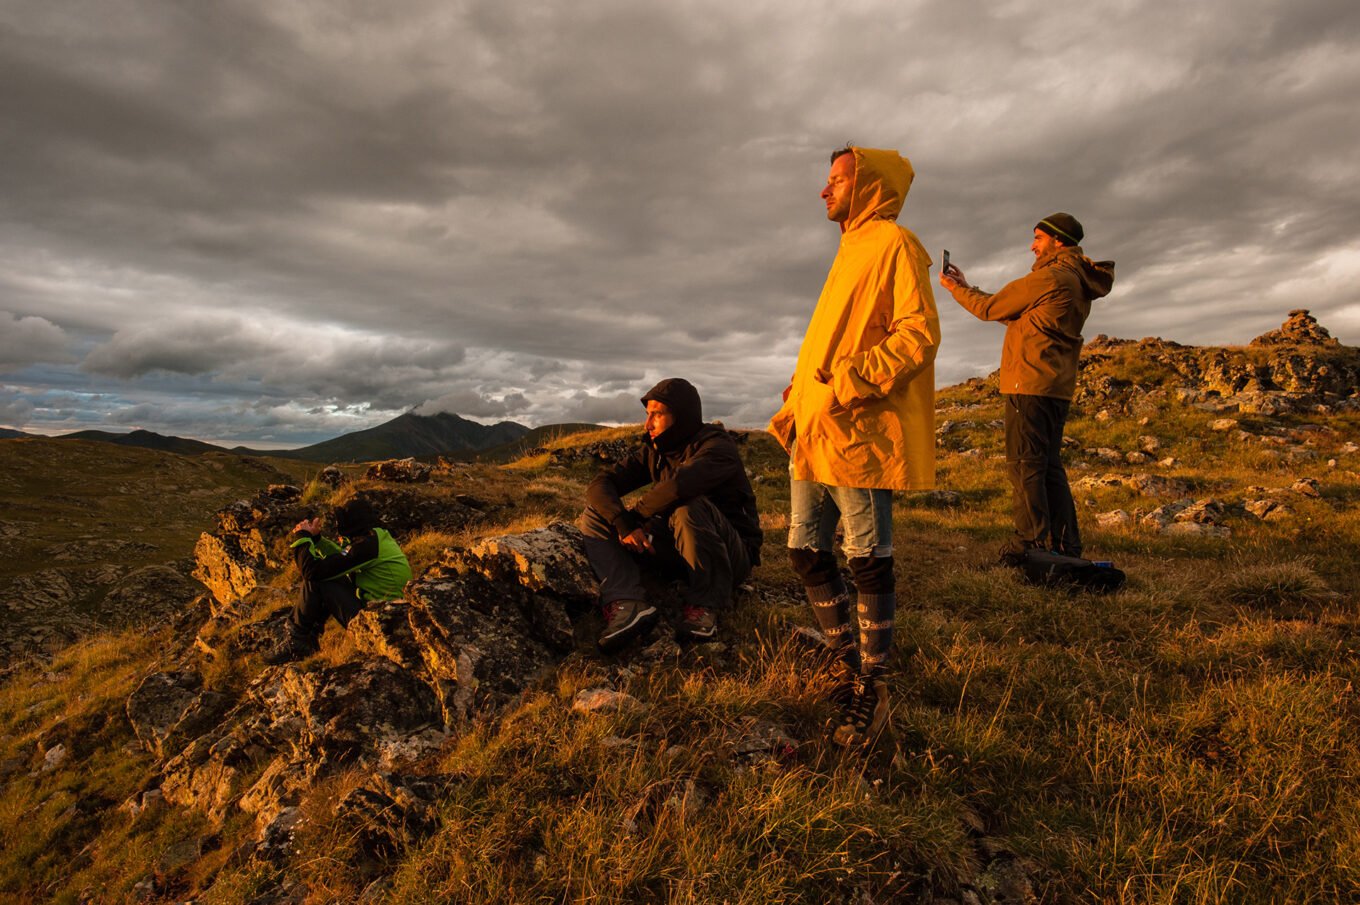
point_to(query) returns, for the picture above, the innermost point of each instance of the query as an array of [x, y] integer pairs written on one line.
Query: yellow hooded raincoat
[[862, 402]]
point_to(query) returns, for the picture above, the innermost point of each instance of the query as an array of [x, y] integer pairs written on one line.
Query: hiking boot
[[845, 677], [625, 620], [697, 623], [865, 716], [295, 645]]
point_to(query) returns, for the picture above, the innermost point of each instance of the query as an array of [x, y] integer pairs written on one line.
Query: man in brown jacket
[[1043, 313]]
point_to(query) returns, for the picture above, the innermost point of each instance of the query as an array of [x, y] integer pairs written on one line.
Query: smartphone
[[944, 268]]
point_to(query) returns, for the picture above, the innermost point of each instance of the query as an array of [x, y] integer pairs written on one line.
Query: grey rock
[[1114, 519], [605, 700], [169, 708], [404, 471]]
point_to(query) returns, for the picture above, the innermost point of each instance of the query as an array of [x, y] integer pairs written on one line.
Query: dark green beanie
[[1063, 227]]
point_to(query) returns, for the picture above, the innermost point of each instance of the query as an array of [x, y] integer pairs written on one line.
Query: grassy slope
[[1187, 740], [80, 493]]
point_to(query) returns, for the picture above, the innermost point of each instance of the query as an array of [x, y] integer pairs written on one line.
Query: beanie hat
[[1063, 227]]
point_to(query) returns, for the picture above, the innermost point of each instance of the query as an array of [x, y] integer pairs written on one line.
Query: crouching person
[[697, 519], [339, 576]]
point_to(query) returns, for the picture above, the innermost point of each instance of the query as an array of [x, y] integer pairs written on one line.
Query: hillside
[[146, 440], [406, 436], [98, 534], [411, 435], [1188, 739]]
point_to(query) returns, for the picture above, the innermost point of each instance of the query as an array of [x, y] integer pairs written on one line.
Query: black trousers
[[695, 541], [337, 597], [1042, 506]]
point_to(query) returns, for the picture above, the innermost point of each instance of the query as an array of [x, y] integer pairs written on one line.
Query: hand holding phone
[[952, 272]]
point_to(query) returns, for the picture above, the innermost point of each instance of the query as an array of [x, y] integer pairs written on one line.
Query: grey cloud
[[29, 340], [475, 404], [620, 408], [14, 410], [352, 209]]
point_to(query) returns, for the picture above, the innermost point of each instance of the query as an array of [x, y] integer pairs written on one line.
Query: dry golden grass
[[1187, 740]]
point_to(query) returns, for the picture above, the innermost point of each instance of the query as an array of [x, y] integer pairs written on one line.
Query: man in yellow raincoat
[[858, 422]]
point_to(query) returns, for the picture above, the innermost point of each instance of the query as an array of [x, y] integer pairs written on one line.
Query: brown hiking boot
[[866, 716], [625, 620], [697, 623]]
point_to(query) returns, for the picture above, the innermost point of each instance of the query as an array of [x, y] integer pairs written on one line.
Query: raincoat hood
[[882, 180], [860, 408]]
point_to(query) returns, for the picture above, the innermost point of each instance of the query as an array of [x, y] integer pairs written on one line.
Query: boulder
[[402, 471], [478, 639], [1307, 487], [603, 452], [1301, 328], [332, 476], [169, 708], [386, 814], [1117, 518], [1204, 512], [550, 560], [605, 700]]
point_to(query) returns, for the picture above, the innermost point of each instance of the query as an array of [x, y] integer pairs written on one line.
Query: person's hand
[[308, 526], [823, 376], [639, 541], [952, 278]]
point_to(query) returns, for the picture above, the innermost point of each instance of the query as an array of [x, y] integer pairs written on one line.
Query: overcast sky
[[272, 222]]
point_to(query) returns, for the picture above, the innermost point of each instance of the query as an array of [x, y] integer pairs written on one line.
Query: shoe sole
[[641, 621], [691, 634]]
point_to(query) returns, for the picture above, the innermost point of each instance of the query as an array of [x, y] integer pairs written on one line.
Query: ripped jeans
[[865, 517]]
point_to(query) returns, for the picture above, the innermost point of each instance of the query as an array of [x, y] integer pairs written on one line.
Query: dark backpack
[[1056, 570]]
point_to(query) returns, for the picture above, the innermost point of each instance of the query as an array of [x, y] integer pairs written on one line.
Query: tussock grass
[[1289, 583]]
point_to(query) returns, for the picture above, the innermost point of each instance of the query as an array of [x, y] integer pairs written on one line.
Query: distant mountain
[[11, 434], [406, 435], [147, 440], [410, 435]]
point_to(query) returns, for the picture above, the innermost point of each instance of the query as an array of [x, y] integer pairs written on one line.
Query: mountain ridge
[[407, 436]]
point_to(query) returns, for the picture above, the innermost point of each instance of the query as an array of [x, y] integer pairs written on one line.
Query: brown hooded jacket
[[1043, 313]]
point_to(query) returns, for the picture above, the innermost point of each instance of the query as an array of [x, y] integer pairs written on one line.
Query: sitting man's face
[[659, 418]]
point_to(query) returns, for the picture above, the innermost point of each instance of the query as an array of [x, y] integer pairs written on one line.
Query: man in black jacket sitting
[[698, 517]]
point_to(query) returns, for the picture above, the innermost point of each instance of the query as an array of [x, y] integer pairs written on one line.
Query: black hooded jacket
[[690, 459]]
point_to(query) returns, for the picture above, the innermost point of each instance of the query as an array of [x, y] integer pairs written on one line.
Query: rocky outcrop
[[603, 452], [248, 542], [472, 632], [1300, 329], [251, 538], [404, 471], [169, 708], [1298, 368]]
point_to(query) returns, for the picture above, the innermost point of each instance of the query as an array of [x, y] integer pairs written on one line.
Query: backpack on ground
[[1056, 570]]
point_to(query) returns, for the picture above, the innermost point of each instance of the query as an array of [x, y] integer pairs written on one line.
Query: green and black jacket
[[373, 562]]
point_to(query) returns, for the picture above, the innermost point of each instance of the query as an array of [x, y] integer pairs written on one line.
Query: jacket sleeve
[[913, 336], [1013, 300], [605, 492], [715, 463], [320, 559]]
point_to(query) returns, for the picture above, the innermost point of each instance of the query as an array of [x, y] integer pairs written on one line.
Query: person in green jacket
[[339, 576]]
